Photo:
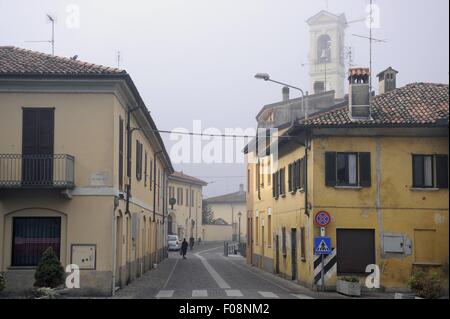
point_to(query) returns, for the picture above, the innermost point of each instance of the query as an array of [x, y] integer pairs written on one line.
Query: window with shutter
[[423, 171], [302, 244], [145, 169], [442, 171], [121, 154], [364, 169], [290, 178], [330, 169]]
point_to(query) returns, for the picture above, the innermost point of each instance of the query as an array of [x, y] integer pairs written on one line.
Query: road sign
[[322, 246], [322, 218]]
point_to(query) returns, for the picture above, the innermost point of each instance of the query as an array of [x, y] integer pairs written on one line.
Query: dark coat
[[184, 246]]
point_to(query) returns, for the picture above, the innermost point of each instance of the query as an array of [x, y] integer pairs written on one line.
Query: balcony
[[37, 171]]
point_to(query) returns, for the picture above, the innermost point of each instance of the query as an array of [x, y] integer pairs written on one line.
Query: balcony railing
[[51, 171]]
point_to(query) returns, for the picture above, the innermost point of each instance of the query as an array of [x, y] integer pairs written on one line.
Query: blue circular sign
[[322, 219]]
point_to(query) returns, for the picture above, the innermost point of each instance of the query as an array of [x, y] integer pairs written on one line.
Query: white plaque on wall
[[99, 178], [84, 256]]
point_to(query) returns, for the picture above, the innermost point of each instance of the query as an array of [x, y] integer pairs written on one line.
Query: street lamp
[[266, 77]]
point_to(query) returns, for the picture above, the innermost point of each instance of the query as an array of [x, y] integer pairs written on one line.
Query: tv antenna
[[371, 41], [52, 41], [118, 59]]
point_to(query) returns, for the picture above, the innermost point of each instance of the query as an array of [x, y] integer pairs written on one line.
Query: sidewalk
[[299, 289]]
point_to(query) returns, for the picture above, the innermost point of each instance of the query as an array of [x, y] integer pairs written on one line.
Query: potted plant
[[49, 275], [425, 285], [349, 286], [2, 281]]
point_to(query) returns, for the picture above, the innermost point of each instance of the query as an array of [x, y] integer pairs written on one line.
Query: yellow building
[[230, 216], [185, 218], [380, 170], [82, 169]]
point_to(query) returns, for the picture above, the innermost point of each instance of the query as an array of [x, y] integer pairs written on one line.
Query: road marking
[[267, 294], [171, 273], [219, 280], [301, 296], [165, 294], [257, 275], [234, 293], [199, 293]]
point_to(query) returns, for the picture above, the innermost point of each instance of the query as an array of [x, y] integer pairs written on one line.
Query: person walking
[[191, 242], [184, 247], [199, 241]]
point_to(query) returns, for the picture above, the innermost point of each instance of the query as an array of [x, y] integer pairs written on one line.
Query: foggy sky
[[195, 59]]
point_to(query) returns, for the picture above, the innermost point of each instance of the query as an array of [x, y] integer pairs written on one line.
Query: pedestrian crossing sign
[[322, 245]]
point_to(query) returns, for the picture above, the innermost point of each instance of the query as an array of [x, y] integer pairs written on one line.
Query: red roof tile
[[17, 61], [414, 104]]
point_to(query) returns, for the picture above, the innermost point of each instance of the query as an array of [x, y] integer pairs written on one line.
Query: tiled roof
[[414, 104], [237, 197], [186, 178], [17, 61]]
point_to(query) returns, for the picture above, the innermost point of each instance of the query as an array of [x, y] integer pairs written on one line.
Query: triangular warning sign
[[322, 247]]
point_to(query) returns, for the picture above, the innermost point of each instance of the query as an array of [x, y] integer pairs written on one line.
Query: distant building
[[185, 218], [74, 176], [229, 212]]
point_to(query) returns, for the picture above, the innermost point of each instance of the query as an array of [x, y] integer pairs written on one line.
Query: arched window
[[324, 49]]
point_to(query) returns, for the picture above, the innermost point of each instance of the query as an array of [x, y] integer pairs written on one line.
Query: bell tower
[[326, 55]]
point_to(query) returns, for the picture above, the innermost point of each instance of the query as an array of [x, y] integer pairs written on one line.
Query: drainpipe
[[307, 146], [114, 244], [129, 134], [154, 183]]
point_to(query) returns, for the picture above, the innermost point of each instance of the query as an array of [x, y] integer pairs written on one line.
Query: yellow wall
[[402, 210]]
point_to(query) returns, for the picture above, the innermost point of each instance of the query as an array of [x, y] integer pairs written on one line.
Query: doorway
[[294, 253]]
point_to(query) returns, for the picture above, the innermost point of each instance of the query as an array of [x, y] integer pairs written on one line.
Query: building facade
[[82, 169], [230, 216], [382, 178], [185, 217]]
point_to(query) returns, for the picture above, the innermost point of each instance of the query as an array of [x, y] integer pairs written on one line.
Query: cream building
[[185, 217], [230, 215], [82, 169]]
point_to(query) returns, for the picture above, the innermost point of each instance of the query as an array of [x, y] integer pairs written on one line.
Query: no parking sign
[[322, 219]]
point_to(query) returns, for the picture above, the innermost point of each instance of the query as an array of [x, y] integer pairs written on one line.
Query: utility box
[[394, 244]]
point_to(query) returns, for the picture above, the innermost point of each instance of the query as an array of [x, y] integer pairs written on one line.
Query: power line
[[217, 135]]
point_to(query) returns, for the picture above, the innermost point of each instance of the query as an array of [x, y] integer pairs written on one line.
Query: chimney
[[285, 93], [359, 93], [241, 188], [387, 80]]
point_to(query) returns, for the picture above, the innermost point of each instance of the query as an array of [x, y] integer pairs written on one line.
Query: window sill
[[430, 264], [416, 189], [22, 268], [357, 188]]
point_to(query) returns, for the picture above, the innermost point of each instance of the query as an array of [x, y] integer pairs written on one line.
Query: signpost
[[322, 244]]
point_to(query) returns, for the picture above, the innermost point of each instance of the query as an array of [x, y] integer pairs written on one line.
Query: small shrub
[[425, 285], [49, 272], [349, 279], [2, 281]]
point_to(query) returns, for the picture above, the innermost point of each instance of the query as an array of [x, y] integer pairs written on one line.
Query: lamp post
[[266, 77]]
